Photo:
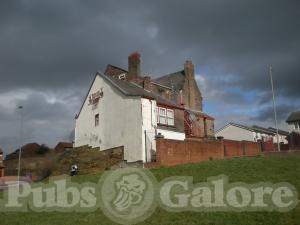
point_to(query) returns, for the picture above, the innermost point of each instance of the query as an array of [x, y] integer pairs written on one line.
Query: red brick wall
[[232, 148], [241, 148], [251, 148], [174, 152]]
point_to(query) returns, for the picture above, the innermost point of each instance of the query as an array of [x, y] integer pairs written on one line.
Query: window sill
[[165, 125]]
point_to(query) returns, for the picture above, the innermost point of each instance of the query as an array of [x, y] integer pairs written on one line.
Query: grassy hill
[[250, 170], [89, 161]]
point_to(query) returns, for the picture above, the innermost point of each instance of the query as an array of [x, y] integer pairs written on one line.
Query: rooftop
[[258, 129], [294, 116]]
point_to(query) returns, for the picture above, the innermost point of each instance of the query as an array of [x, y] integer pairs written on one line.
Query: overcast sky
[[50, 51]]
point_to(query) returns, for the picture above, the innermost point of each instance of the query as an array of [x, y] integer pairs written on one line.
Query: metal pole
[[274, 106], [146, 157], [20, 151]]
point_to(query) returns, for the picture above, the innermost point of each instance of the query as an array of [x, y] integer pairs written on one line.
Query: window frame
[[165, 116], [97, 120]]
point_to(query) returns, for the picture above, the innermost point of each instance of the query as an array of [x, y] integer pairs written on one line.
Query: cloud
[[47, 117], [50, 50]]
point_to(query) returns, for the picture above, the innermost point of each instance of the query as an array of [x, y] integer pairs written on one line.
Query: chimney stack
[[189, 69], [134, 66], [147, 83], [190, 79]]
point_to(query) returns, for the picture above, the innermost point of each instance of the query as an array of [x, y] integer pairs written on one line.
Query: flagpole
[[21, 137], [274, 107]]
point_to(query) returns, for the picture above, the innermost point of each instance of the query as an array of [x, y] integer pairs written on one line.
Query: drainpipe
[[145, 146]]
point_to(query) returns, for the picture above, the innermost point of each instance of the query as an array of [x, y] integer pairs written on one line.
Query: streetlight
[[274, 106], [21, 137]]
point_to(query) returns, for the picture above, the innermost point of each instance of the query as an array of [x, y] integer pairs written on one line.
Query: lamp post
[[274, 107], [21, 137]]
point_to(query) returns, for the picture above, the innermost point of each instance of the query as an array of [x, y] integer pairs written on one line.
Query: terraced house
[[129, 109]]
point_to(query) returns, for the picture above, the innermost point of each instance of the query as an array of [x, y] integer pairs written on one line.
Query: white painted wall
[[235, 133], [292, 127], [239, 134], [150, 125], [120, 122], [171, 134], [148, 128], [282, 138]]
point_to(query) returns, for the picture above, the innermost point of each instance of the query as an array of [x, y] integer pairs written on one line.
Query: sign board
[[95, 97]]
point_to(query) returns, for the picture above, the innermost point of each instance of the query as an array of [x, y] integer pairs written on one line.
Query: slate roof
[[240, 126], [258, 129], [294, 116], [281, 132], [132, 89], [118, 68], [173, 80], [263, 130], [200, 113]]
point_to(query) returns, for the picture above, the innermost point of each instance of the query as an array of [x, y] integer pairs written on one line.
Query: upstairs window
[[122, 76], [297, 126], [170, 117], [96, 120], [165, 116]]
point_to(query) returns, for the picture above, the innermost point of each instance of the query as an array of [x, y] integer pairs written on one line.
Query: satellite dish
[[193, 117]]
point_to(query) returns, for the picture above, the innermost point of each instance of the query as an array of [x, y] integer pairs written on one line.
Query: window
[[162, 116], [122, 76], [96, 120], [165, 116], [170, 117]]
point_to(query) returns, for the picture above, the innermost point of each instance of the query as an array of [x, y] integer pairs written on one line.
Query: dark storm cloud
[[283, 112], [58, 42], [56, 46]]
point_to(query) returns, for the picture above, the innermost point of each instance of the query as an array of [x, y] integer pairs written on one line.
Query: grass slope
[[250, 170]]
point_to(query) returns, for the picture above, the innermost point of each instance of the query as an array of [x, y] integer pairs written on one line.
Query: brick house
[[293, 122], [28, 150], [240, 132], [63, 146], [125, 108], [179, 87]]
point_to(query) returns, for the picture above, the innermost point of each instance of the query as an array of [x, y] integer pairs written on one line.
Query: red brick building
[[63, 146], [179, 87]]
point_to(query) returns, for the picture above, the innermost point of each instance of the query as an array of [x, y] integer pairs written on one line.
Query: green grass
[[250, 170]]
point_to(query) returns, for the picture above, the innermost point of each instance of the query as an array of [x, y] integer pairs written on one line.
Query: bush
[[43, 150]]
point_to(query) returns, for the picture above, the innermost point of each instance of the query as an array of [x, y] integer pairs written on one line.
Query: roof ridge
[[117, 67], [179, 71]]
